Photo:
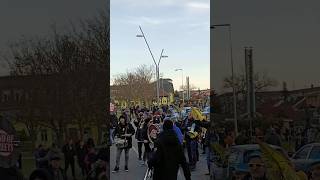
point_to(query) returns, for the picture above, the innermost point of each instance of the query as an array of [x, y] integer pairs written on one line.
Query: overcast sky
[[284, 36], [181, 27], [33, 18]]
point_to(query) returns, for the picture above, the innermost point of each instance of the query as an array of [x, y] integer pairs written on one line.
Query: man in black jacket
[[55, 170], [69, 152], [168, 156]]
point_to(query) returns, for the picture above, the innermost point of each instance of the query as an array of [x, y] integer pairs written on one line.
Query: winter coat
[[60, 176], [178, 133], [11, 174], [81, 154], [121, 131], [69, 152], [113, 121], [168, 157]]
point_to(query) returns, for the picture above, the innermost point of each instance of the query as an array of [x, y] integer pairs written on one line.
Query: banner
[[9, 144]]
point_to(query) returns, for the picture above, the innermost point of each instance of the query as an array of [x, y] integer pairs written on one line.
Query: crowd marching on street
[[162, 137], [90, 159]]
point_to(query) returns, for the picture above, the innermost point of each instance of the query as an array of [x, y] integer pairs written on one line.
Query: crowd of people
[[161, 137], [92, 161]]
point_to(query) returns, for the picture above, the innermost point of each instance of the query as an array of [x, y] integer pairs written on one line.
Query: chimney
[[312, 86]]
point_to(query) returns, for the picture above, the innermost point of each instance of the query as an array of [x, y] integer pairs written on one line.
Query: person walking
[[123, 132], [169, 155], [90, 158], [81, 154], [69, 152], [139, 135], [40, 155], [257, 169], [113, 125], [55, 170], [273, 138], [146, 142]]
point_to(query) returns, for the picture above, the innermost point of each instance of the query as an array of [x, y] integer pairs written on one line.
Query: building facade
[[34, 103]]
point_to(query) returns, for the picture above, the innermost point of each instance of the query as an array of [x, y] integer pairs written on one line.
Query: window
[[303, 153], [315, 153]]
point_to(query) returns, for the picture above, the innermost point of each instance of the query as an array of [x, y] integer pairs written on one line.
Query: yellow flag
[[277, 164], [197, 115]]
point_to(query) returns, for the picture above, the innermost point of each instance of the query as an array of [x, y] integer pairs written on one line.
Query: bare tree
[[76, 65], [261, 80], [134, 85]]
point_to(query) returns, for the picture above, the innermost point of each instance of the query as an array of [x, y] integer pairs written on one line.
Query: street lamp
[[156, 64], [232, 72], [182, 84]]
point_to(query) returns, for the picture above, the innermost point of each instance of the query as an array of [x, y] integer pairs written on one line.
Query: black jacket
[[167, 158], [69, 152], [81, 154], [121, 130], [113, 121], [53, 176], [10, 174]]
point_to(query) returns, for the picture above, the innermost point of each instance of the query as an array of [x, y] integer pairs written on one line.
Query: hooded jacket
[[168, 157]]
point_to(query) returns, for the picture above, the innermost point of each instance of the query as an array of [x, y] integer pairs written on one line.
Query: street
[[137, 171]]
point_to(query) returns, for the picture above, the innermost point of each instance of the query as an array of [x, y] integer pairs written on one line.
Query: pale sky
[[180, 27], [33, 18], [284, 35]]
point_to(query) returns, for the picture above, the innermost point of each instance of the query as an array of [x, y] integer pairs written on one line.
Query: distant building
[[166, 92], [32, 96], [290, 104]]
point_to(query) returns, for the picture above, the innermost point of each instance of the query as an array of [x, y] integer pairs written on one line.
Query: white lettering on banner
[[6, 143]]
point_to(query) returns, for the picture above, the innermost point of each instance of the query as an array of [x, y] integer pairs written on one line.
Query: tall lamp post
[[232, 72], [182, 84], [155, 63]]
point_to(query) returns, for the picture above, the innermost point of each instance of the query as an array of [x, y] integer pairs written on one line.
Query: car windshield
[[303, 153], [315, 153]]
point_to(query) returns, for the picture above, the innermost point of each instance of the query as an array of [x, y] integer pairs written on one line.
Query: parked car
[[185, 111], [305, 156], [206, 110], [239, 156]]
